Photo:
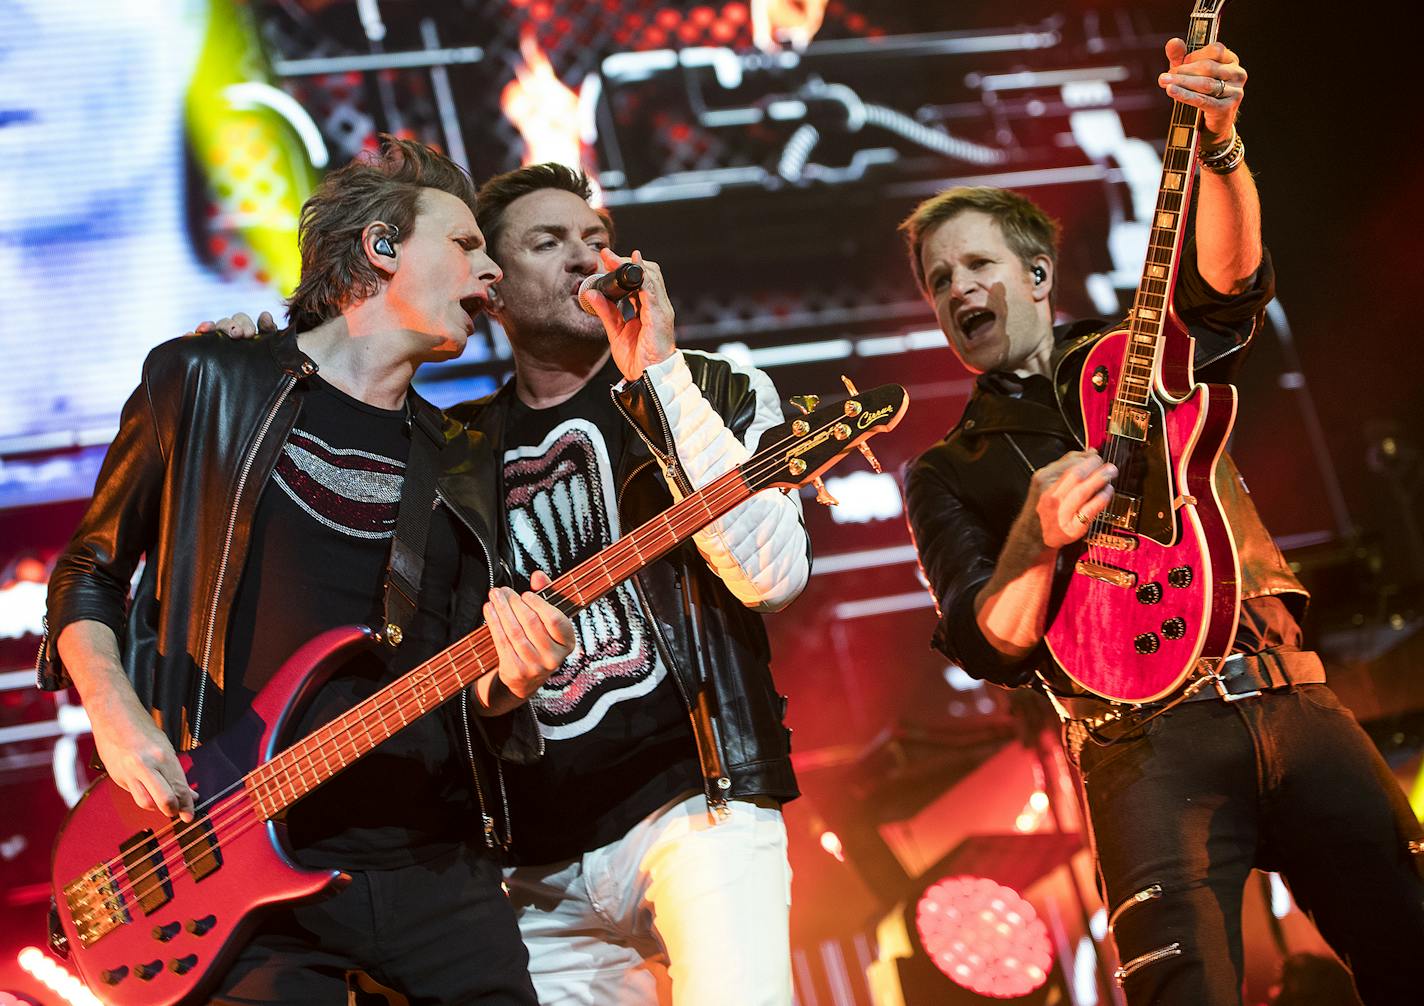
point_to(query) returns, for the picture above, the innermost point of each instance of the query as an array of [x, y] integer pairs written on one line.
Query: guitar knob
[[147, 971], [114, 975], [1147, 643], [1174, 628], [166, 932], [1149, 593], [1180, 576], [182, 965], [200, 926]]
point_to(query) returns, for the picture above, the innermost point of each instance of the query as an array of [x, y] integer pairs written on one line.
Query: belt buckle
[[1219, 682]]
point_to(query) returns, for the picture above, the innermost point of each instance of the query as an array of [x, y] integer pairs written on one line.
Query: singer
[[665, 760]]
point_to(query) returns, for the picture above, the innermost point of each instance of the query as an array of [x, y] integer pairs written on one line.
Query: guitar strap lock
[[393, 635]]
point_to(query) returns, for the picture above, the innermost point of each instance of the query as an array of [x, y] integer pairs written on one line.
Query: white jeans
[[687, 908]]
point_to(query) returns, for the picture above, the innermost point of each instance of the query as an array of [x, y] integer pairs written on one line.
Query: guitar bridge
[[96, 905], [1107, 574], [1112, 541]]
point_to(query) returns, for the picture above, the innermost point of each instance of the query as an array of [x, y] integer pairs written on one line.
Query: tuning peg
[[806, 403], [874, 462], [850, 386], [822, 496]]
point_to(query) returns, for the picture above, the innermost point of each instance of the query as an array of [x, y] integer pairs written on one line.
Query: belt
[[1239, 676]]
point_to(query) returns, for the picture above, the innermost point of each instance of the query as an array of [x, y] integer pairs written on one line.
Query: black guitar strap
[[407, 561]]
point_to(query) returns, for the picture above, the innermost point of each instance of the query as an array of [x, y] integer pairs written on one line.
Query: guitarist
[[1184, 805], [262, 482]]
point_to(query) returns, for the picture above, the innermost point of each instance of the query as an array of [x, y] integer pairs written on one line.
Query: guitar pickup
[[1112, 541], [147, 872], [1122, 511], [1129, 423], [1107, 574], [201, 851]]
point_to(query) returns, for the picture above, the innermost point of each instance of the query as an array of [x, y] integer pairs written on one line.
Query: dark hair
[[501, 190], [1027, 230], [384, 185]]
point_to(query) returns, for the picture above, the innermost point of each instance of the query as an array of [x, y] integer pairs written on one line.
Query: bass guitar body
[[1153, 587], [154, 910]]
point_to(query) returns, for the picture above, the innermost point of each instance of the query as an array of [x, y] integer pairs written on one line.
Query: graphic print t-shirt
[[321, 539], [618, 739]]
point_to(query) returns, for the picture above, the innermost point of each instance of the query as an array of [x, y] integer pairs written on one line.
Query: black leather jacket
[[196, 443], [963, 494], [716, 647]]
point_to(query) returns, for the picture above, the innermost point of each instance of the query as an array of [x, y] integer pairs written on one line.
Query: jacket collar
[[289, 356]]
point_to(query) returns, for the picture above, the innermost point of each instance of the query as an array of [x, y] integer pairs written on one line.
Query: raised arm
[[1228, 213], [760, 550]]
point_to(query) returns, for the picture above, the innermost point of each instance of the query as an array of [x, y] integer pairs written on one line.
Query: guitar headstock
[[795, 454]]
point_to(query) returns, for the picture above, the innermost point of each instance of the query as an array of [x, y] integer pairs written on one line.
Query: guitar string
[[1116, 449], [736, 481]]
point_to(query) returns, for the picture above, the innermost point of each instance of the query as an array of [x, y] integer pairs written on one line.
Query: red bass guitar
[[1153, 589], [153, 910]]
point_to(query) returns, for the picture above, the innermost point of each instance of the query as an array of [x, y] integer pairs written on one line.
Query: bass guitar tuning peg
[[822, 496], [806, 403], [874, 461]]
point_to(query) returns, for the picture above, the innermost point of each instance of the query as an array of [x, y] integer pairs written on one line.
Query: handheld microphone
[[616, 285]]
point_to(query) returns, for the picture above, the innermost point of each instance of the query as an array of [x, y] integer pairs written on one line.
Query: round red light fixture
[[984, 937]]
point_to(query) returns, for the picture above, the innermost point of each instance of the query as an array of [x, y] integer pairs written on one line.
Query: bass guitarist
[[263, 483], [1185, 795]]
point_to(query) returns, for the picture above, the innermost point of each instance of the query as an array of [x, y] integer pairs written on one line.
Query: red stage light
[[984, 937]]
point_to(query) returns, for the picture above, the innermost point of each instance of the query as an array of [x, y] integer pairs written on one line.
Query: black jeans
[[438, 932], [1286, 781]]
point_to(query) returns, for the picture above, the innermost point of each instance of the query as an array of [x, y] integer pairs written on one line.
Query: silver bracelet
[[1228, 158]]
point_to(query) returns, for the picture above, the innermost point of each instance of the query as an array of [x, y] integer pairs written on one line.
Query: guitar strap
[[407, 560]]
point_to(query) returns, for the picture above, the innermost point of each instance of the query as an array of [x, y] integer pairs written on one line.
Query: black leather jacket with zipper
[[964, 493], [715, 645], [178, 489]]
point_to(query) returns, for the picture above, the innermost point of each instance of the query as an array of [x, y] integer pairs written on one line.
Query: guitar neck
[[294, 773], [1164, 245]]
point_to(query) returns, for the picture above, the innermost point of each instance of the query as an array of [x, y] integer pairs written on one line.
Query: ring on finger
[[1220, 89], [1082, 518]]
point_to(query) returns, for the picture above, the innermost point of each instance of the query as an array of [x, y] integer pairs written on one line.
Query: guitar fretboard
[[1164, 243], [294, 773]]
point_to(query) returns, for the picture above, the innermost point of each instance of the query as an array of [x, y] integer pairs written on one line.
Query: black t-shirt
[[617, 735], [321, 539]]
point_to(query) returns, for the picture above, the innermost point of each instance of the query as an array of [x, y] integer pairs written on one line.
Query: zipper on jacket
[[1125, 972], [1144, 895], [492, 839], [716, 800], [40, 662], [286, 389], [667, 457]]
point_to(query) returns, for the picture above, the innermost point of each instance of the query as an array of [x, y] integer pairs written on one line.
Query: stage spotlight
[[965, 940]]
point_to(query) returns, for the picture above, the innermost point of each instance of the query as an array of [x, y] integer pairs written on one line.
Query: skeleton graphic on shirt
[[561, 508]]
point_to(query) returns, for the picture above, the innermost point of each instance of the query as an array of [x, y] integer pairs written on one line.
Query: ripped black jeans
[[1285, 781]]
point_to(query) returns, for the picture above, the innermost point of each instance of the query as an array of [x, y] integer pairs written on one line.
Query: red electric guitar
[[1154, 587], [153, 910]]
